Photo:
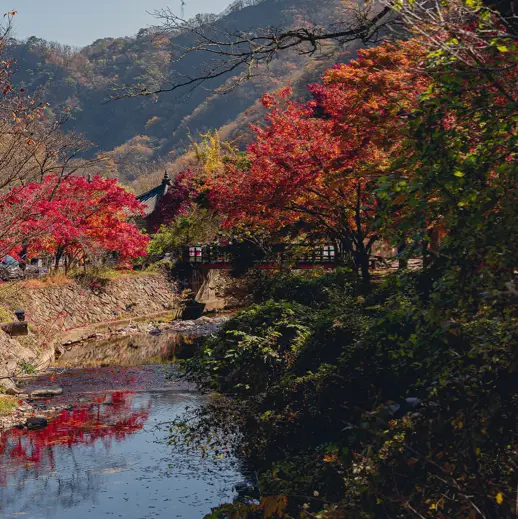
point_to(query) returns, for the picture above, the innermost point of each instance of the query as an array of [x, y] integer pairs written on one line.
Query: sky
[[80, 22]]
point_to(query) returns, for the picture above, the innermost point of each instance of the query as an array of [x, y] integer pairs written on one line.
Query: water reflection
[[110, 457], [37, 456], [108, 417], [131, 350]]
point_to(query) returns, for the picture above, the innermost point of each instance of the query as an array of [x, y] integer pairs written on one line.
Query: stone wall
[[73, 305], [53, 309], [218, 290]]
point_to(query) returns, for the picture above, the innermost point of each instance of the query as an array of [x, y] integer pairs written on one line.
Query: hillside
[[140, 134]]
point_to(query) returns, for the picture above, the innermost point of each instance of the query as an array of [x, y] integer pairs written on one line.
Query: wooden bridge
[[216, 257]]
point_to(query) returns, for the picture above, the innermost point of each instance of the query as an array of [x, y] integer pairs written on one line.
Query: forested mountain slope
[[140, 132]]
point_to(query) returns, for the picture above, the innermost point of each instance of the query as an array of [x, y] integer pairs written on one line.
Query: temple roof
[[151, 198]]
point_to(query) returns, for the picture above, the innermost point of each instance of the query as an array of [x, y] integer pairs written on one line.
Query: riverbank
[[350, 398], [73, 303], [23, 411], [56, 307], [8, 405], [140, 343], [149, 342]]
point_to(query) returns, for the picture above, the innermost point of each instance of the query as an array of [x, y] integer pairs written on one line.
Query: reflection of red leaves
[[84, 426]]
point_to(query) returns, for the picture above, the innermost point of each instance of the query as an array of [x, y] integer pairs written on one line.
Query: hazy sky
[[80, 22]]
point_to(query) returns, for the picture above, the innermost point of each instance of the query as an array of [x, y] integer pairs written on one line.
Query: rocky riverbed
[[131, 345], [196, 327], [34, 410]]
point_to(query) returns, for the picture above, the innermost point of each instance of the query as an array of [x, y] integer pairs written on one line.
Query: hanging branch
[[244, 52]]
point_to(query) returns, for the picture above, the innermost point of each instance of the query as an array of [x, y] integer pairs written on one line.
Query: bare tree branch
[[443, 26], [245, 52]]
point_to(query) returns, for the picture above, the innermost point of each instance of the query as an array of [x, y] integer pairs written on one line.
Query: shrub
[[252, 350], [380, 403], [306, 288]]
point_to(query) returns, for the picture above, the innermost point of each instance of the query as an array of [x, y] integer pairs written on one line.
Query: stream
[[106, 454]]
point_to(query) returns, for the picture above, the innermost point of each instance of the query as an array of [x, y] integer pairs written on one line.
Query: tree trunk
[[59, 255], [344, 252], [23, 255], [365, 270], [402, 262], [362, 255], [56, 262]]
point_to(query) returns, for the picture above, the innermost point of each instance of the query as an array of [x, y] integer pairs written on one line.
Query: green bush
[[197, 226], [381, 404], [306, 288], [253, 349]]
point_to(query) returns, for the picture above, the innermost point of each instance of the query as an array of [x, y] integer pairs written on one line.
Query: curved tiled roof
[[151, 198]]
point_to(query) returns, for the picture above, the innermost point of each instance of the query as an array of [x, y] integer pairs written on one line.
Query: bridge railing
[[280, 255]]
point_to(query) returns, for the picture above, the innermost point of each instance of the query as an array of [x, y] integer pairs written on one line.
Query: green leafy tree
[[198, 225]]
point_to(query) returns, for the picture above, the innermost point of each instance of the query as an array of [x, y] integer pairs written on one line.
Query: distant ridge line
[[238, 5]]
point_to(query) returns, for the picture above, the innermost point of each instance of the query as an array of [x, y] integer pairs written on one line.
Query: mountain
[[139, 134]]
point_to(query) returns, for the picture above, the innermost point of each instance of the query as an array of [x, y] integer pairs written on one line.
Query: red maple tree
[[73, 219], [314, 163]]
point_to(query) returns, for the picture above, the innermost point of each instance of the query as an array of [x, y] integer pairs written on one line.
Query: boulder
[[16, 328], [47, 392], [13, 390], [10, 387], [36, 422]]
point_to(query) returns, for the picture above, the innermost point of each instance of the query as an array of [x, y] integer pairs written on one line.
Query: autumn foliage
[[314, 164], [72, 218], [390, 399]]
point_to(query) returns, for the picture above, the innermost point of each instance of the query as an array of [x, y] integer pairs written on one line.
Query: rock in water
[[47, 392], [11, 389], [36, 422]]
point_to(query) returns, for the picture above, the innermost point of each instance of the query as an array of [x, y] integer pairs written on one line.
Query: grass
[[7, 404], [54, 279], [107, 274], [60, 278], [6, 314], [116, 274]]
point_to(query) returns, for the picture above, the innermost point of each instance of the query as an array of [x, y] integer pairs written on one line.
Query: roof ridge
[[152, 197]]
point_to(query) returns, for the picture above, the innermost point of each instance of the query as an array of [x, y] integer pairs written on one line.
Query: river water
[[107, 455]]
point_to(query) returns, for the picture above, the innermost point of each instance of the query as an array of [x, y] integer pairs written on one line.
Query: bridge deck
[[300, 257], [267, 266]]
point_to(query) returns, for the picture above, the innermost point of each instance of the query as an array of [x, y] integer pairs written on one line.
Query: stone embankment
[[53, 310], [74, 305]]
